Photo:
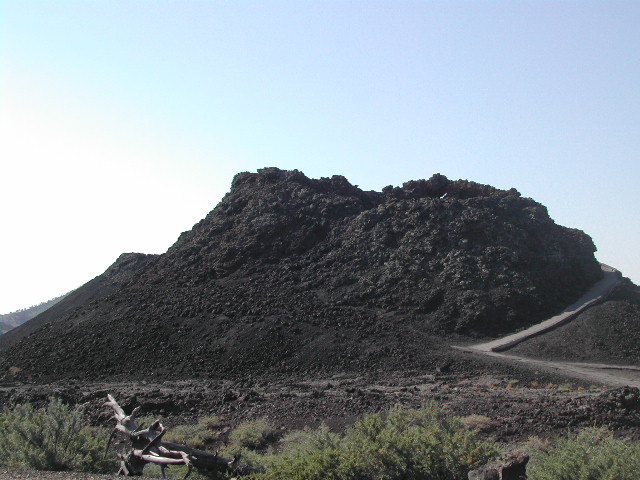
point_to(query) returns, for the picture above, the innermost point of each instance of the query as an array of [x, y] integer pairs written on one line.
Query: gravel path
[[604, 374], [596, 294]]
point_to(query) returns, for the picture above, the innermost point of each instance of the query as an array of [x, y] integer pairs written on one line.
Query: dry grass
[[481, 423]]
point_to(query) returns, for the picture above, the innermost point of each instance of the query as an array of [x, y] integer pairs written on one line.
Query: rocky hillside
[[291, 273], [9, 321], [111, 280]]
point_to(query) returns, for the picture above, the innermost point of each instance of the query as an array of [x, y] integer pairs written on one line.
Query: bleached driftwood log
[[147, 446]]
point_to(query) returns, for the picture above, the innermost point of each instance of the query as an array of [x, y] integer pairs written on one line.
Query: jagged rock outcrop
[[291, 273]]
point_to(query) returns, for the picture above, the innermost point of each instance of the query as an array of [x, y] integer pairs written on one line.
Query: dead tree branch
[[147, 446]]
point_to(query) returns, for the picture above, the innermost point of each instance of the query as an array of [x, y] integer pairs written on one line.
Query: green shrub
[[416, 444], [51, 438], [200, 435], [593, 454], [250, 442], [253, 435], [145, 420], [309, 455]]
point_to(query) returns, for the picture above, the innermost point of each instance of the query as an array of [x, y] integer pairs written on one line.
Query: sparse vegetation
[[252, 441], [253, 435], [173, 471], [199, 435], [592, 454], [477, 422], [413, 444], [51, 438], [535, 445], [420, 443]]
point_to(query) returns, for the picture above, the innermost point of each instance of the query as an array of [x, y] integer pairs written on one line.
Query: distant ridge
[[12, 320]]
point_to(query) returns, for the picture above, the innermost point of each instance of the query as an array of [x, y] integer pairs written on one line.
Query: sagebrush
[[254, 434], [55, 437], [592, 454], [200, 435], [407, 444]]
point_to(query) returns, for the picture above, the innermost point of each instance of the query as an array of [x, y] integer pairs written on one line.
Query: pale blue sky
[[122, 123]]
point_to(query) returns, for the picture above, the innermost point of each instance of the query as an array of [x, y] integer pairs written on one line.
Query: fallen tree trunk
[[147, 446]]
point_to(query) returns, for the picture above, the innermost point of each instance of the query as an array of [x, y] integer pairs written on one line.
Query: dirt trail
[[614, 375], [603, 374], [596, 294]]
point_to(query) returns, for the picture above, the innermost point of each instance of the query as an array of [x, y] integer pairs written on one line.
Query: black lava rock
[[294, 274]]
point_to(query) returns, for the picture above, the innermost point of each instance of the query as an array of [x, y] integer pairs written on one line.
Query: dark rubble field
[[518, 401]]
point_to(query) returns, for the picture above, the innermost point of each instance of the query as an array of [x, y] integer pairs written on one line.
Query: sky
[[122, 123]]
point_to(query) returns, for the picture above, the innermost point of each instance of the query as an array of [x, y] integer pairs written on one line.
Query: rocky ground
[[517, 402], [500, 406]]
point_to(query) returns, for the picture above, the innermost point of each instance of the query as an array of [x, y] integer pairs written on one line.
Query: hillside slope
[[9, 321], [606, 333], [289, 273], [103, 285]]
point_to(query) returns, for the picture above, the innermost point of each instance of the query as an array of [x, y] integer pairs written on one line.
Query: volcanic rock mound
[[289, 273]]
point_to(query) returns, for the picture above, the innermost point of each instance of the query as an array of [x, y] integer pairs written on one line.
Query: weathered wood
[[147, 446]]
